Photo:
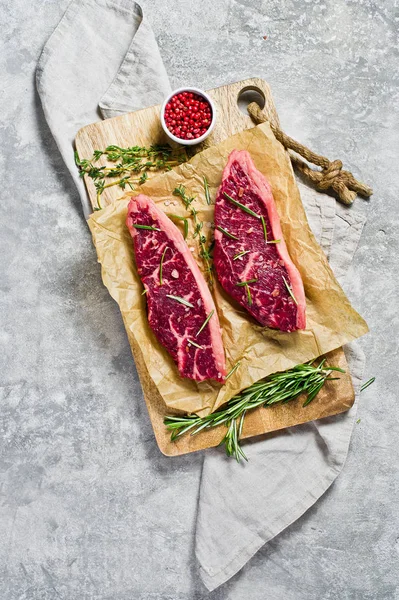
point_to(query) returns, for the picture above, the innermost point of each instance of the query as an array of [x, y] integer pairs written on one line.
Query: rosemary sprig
[[291, 293], [129, 162], [237, 256], [181, 300], [280, 387], [185, 223], [205, 323], [198, 229], [161, 265], [206, 188], [227, 233], [242, 206]]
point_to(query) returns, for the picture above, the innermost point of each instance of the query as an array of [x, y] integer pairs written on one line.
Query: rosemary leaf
[[242, 206], [206, 188], [240, 254], [194, 344], [233, 370], [366, 385], [262, 218], [205, 323], [185, 223], [161, 265], [241, 283], [227, 233], [291, 293], [149, 227], [249, 297], [181, 300]]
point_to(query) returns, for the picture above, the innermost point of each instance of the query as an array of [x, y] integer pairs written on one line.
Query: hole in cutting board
[[248, 95]]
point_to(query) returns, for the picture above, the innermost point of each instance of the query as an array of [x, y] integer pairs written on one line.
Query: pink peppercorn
[[188, 115]]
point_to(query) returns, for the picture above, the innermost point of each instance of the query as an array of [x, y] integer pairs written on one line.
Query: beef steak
[[249, 247], [178, 299]]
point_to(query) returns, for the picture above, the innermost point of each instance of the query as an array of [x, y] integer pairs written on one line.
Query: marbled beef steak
[[251, 258], [178, 299]]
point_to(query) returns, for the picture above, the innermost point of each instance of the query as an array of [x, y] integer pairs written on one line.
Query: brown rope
[[331, 175]]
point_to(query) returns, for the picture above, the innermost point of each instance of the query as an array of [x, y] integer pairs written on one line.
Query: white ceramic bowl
[[197, 140]]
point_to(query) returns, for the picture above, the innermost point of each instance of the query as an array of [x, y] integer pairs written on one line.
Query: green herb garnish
[[262, 218], [240, 254], [129, 162], [279, 387], [233, 370], [227, 233], [185, 223], [249, 297], [149, 227], [161, 265], [198, 229], [273, 242], [205, 323], [291, 293], [242, 206], [206, 188], [181, 300], [240, 283], [366, 385], [194, 344]]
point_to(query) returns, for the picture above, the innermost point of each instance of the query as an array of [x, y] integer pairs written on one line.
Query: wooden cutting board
[[143, 128]]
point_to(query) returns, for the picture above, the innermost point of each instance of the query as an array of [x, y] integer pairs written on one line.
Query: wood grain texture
[[143, 128]]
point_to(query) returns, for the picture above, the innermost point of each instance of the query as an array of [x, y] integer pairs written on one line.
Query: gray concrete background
[[83, 485]]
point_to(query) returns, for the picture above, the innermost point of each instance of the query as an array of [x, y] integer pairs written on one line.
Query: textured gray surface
[[83, 485]]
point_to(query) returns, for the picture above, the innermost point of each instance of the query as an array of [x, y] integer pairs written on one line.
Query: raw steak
[[252, 249], [178, 299]]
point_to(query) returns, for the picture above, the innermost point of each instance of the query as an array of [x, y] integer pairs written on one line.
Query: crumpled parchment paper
[[331, 320]]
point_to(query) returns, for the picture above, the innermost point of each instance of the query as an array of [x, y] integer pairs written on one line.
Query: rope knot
[[331, 175]]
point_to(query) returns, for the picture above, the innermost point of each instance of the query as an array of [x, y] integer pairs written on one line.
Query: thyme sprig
[[277, 388], [129, 162], [180, 191]]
